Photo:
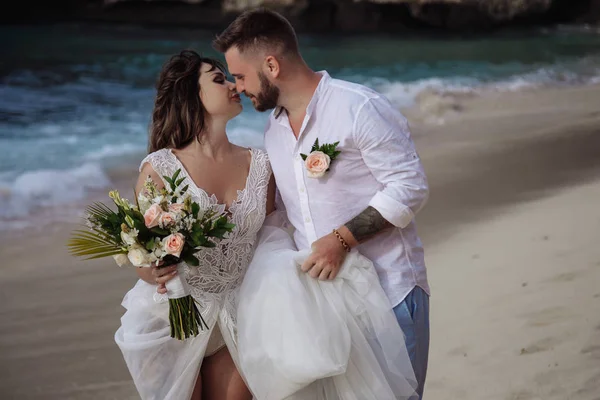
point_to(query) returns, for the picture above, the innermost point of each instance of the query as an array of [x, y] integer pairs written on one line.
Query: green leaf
[[160, 231], [315, 146], [202, 241], [190, 259], [176, 175], [229, 226], [197, 238], [304, 156], [195, 209], [169, 180], [218, 233], [220, 228], [136, 215], [180, 181]]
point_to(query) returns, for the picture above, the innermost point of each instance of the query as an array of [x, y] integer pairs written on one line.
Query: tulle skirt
[[304, 339], [164, 368]]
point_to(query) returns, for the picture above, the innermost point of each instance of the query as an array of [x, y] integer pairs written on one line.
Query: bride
[[193, 104], [275, 332]]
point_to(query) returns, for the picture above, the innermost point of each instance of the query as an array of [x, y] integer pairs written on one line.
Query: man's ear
[[271, 67]]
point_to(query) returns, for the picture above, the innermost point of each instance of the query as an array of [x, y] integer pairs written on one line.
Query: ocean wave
[[113, 150], [404, 94], [24, 100], [29, 192]]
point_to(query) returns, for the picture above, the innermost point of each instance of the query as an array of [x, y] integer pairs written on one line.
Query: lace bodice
[[222, 268]]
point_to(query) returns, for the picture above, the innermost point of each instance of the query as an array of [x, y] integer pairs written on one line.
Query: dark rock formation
[[319, 15]]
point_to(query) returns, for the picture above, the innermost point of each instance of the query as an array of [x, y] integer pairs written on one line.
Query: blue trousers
[[413, 316]]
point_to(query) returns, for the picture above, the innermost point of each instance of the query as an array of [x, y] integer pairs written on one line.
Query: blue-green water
[[76, 100]]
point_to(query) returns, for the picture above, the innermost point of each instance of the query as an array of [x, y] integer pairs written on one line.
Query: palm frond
[[137, 203], [97, 253], [95, 244], [100, 210]]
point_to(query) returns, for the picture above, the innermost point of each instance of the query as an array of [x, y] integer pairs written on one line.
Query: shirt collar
[[323, 83]]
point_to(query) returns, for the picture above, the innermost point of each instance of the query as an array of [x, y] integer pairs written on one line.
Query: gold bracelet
[[342, 241]]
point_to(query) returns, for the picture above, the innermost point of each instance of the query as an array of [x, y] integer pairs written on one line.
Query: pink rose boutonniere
[[318, 161]]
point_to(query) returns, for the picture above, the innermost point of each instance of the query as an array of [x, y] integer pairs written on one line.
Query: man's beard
[[269, 95]]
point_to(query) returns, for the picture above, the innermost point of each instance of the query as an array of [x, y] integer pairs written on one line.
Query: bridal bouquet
[[164, 227]]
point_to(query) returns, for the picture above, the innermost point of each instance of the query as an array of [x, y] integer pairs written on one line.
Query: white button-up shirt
[[378, 166]]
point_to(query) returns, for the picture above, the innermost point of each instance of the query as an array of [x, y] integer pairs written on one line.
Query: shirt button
[[301, 190], [307, 219]]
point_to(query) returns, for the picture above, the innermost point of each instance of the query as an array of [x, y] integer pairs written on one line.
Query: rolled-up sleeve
[[382, 134]]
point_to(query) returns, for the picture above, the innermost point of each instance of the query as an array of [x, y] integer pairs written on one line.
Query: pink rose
[[152, 216], [166, 219], [316, 164], [174, 243], [176, 207]]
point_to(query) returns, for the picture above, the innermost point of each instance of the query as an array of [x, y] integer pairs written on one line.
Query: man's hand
[[326, 258]]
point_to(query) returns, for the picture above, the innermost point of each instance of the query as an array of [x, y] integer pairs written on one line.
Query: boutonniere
[[320, 158]]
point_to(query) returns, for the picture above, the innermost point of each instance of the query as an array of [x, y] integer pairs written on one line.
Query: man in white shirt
[[373, 187]]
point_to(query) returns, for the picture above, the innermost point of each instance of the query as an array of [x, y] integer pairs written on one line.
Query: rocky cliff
[[322, 15]]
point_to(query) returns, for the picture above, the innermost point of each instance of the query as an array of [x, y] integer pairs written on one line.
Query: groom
[[365, 197]]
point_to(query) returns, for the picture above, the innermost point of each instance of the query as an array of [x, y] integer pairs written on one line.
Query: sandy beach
[[511, 234], [511, 237]]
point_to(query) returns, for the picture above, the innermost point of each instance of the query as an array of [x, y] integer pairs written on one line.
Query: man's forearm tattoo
[[366, 224]]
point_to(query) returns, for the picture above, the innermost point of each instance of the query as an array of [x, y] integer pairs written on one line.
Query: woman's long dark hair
[[179, 116]]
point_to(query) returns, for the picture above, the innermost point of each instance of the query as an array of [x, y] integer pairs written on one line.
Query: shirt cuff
[[392, 210]]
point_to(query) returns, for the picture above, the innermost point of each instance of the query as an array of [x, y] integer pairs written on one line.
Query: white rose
[[138, 256], [129, 237], [121, 259], [317, 163]]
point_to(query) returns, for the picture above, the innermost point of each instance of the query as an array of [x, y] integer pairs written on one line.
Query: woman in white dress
[[194, 102]]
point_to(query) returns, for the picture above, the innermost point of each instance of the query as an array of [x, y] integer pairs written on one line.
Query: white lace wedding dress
[[164, 368]]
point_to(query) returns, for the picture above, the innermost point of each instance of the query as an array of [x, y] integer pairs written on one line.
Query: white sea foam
[[403, 94], [113, 150], [30, 191]]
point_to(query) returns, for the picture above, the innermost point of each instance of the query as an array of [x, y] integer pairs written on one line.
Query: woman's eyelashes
[[220, 79]]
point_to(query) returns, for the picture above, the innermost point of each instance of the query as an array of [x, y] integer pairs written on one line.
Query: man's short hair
[[258, 29]]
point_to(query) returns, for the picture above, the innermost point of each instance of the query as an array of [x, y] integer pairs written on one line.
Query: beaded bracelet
[[342, 241]]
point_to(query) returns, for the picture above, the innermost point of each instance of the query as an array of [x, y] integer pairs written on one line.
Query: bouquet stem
[[184, 317]]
